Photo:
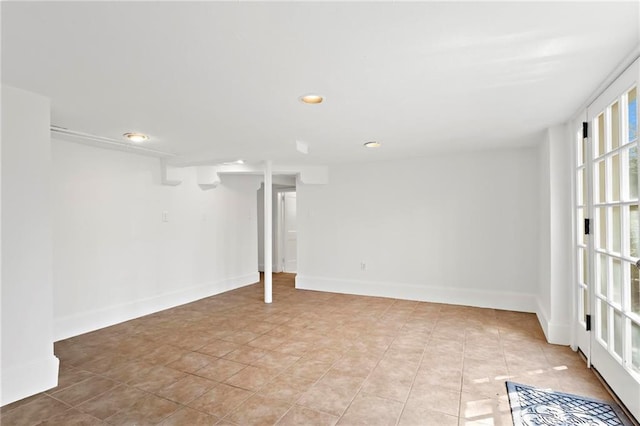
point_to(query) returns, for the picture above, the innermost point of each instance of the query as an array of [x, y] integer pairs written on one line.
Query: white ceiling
[[219, 81]]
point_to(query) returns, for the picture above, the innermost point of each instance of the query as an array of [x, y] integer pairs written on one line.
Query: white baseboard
[[21, 381], [556, 333], [85, 322], [454, 296]]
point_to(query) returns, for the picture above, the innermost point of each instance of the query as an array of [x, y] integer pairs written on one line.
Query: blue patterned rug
[[531, 406]]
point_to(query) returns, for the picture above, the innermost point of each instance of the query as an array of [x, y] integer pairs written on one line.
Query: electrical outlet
[[165, 216], [363, 266]]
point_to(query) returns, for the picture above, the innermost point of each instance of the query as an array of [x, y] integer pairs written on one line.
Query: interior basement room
[[319, 213]]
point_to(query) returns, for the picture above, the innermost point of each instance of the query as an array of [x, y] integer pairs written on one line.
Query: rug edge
[[514, 402]]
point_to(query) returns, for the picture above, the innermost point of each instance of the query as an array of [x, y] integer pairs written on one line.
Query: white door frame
[[581, 242], [281, 236], [621, 380]]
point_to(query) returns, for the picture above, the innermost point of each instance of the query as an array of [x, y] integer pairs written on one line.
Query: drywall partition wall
[[458, 228], [125, 245], [28, 364], [554, 298]]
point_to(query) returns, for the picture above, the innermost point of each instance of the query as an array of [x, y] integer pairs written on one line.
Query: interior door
[[614, 301], [290, 233], [582, 240]]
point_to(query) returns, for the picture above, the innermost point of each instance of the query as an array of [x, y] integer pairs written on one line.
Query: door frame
[[620, 380], [580, 335], [281, 233]]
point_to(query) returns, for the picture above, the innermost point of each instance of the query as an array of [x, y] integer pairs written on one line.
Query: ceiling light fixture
[[372, 144], [311, 99], [233, 163], [136, 137]]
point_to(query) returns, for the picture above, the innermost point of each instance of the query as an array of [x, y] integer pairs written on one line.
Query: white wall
[[544, 224], [28, 365], [459, 228], [555, 305], [114, 257]]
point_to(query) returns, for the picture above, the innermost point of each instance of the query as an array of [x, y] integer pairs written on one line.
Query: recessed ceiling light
[[232, 163], [136, 137], [311, 99], [372, 144]]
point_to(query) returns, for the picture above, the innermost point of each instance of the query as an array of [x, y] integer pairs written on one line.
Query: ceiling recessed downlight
[[233, 163], [372, 144], [311, 99], [136, 137]]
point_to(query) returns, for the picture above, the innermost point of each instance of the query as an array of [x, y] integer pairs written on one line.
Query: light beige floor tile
[[298, 416], [85, 390], [415, 414], [34, 412], [220, 400], [388, 388], [309, 368], [436, 399], [187, 389], [73, 417], [245, 355], [287, 387], [190, 362], [371, 410], [276, 361], [479, 408], [112, 401], [259, 410], [427, 378], [157, 378], [220, 370], [326, 399], [187, 416], [150, 409], [336, 379], [218, 348], [251, 378]]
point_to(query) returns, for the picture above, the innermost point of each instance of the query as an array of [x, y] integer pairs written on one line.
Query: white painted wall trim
[[556, 333], [76, 136], [24, 380], [85, 322], [455, 296]]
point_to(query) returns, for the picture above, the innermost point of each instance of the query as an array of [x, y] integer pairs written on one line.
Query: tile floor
[[309, 358]]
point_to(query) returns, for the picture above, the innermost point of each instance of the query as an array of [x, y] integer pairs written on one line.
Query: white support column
[[268, 231]]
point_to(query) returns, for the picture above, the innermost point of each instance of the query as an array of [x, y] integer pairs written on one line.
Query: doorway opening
[[285, 236]]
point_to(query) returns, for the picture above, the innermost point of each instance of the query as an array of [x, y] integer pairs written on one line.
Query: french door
[[608, 277]]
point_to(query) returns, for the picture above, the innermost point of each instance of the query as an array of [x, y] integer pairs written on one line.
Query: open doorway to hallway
[[284, 214], [288, 234]]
